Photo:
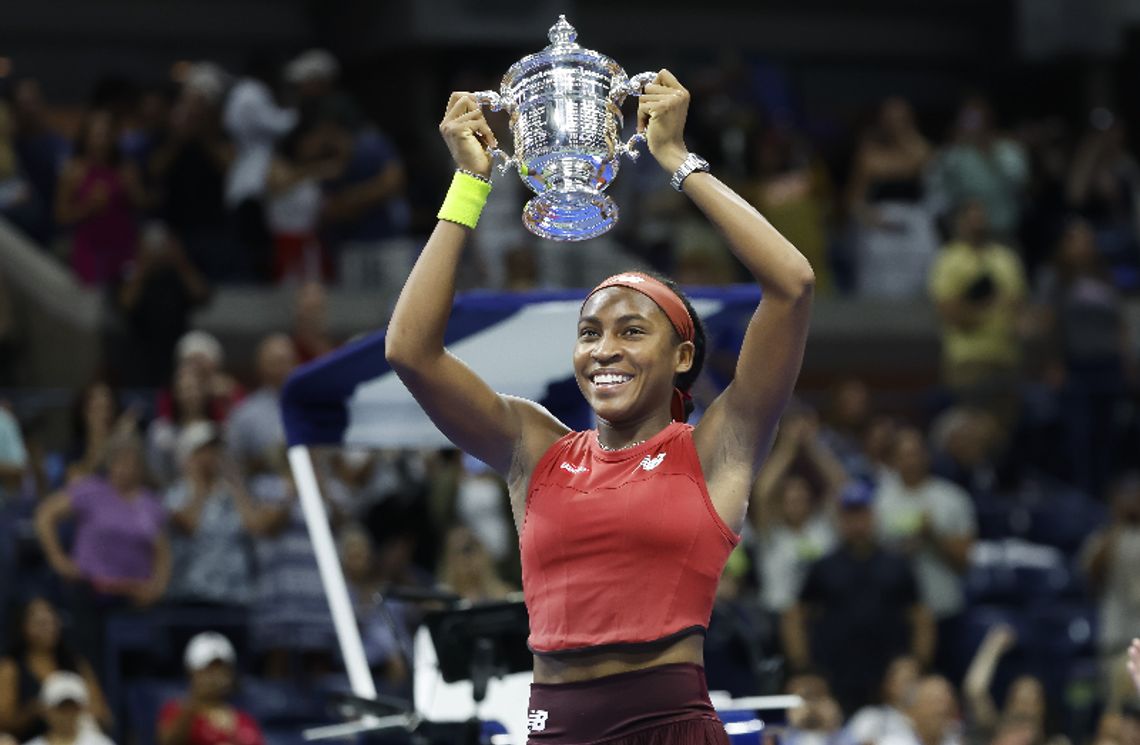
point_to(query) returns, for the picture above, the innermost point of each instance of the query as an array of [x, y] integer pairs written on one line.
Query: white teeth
[[610, 379]]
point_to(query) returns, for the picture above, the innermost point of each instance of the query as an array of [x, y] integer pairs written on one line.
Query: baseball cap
[[858, 493], [194, 436], [62, 686], [316, 64], [207, 647], [199, 342]]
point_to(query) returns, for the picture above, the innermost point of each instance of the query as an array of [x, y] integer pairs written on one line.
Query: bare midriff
[[578, 666]]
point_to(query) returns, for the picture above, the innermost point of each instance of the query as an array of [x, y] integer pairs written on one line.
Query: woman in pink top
[[98, 195]]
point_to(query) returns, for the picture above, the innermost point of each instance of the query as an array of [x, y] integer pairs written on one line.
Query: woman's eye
[[584, 333], [634, 330]]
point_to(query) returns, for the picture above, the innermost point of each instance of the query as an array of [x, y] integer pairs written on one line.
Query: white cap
[[199, 342], [207, 647], [193, 436], [315, 64], [63, 686], [207, 80]]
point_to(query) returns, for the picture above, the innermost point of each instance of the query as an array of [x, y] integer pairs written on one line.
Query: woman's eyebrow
[[620, 319]]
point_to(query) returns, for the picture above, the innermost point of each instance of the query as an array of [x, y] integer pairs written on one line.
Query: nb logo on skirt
[[536, 720]]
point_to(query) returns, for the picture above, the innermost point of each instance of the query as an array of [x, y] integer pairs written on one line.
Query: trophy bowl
[[564, 104]]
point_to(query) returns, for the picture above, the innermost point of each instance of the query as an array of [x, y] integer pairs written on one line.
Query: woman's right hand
[[467, 134]]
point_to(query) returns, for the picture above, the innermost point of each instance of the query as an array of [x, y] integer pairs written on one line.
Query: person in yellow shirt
[[978, 286]]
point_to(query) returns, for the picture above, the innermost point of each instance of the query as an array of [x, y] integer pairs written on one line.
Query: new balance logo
[[536, 720], [573, 469], [650, 463]]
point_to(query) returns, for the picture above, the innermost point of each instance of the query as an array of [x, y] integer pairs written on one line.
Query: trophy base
[[570, 217]]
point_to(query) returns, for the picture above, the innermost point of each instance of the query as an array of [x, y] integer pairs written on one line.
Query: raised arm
[[494, 428], [737, 429]]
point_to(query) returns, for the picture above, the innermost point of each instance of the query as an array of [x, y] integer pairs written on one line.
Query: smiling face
[[627, 355]]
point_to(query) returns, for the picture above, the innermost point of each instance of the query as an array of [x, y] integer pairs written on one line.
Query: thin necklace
[[623, 447]]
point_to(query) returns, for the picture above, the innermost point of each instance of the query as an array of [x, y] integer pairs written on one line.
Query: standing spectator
[[189, 167], [933, 715], [160, 290], [313, 74], [847, 417], [255, 123], [1024, 702], [211, 514], [205, 716], [978, 286], [120, 554], [41, 150], [1104, 186], [36, 652], [467, 569], [1084, 322], [365, 210], [1110, 557], [290, 610], [895, 237], [188, 405], [65, 704], [255, 430], [871, 724], [859, 591], [99, 195], [18, 202], [794, 519], [981, 166], [818, 720], [293, 208], [966, 445], [96, 418]]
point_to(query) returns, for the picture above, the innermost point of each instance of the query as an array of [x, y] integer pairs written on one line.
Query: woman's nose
[[605, 349]]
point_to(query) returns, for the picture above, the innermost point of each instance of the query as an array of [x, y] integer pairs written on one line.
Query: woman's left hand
[[661, 113]]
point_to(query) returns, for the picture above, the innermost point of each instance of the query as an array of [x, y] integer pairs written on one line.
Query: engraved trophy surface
[[564, 104]]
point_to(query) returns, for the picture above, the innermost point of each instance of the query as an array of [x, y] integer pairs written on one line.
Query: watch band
[[689, 165]]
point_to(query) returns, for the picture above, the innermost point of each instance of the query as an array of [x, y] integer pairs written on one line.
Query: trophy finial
[[562, 32]]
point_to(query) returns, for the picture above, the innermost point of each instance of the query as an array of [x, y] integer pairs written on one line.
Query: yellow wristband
[[465, 199]]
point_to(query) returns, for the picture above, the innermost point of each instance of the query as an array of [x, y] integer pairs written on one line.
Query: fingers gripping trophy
[[564, 104]]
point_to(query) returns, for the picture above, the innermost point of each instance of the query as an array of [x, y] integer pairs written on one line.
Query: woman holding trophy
[[624, 530]]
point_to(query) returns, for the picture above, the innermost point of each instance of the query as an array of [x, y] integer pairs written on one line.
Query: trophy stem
[[570, 216]]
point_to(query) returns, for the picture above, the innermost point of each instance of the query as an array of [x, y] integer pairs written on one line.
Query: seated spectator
[[1109, 558], [1024, 702], [982, 166], [254, 431], [112, 510], [160, 289], [203, 354], [100, 195], [189, 405], [290, 611], [818, 720], [466, 568], [66, 711], [933, 713], [895, 236], [204, 716], [13, 454], [858, 591], [211, 515], [928, 519], [871, 724], [794, 519], [978, 286], [311, 334], [385, 629], [36, 652]]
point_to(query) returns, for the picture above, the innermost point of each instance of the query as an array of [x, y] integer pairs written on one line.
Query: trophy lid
[[562, 50]]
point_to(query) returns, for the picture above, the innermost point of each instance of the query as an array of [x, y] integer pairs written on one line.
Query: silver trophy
[[565, 111]]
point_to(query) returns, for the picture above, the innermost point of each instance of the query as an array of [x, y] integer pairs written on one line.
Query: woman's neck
[[613, 436]]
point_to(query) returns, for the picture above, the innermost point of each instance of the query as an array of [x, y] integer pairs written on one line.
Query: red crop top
[[620, 547]]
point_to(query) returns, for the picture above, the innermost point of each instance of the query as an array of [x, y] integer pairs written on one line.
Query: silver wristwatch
[[691, 163]]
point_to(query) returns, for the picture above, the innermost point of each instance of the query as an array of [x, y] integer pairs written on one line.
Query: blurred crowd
[[961, 569]]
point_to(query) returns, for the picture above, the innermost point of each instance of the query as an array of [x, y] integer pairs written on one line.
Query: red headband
[[673, 307], [659, 293]]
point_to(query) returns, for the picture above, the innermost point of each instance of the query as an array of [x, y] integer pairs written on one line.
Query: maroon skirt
[[664, 705]]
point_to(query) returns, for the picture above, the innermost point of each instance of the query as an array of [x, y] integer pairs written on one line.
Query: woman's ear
[[686, 351]]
